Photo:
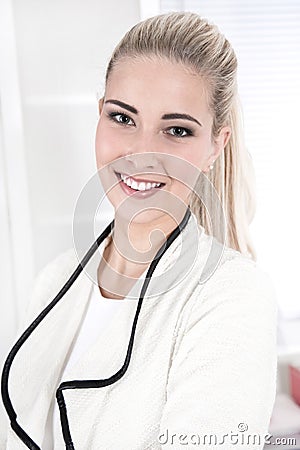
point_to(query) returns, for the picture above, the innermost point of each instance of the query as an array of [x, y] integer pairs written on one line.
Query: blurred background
[[53, 56]]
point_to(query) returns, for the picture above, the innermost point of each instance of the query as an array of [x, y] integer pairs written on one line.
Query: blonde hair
[[186, 38]]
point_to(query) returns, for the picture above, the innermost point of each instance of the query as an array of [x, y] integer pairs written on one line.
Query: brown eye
[[120, 118], [180, 132]]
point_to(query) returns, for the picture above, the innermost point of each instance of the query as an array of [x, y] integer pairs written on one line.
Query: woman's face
[[154, 124]]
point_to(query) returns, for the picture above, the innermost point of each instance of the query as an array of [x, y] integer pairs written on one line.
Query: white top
[[98, 316]]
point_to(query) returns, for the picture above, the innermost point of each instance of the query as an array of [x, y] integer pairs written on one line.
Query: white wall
[[56, 60]]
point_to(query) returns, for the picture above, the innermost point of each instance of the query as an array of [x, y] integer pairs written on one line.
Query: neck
[[134, 245]]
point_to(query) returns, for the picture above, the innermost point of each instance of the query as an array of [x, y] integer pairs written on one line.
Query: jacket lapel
[[37, 368]]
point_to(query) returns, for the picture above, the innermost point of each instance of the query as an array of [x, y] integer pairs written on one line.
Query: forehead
[[158, 83]]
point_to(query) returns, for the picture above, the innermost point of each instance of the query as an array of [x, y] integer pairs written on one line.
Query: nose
[[141, 161], [142, 152]]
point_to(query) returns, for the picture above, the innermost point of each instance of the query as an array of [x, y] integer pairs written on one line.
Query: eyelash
[[112, 116], [187, 130]]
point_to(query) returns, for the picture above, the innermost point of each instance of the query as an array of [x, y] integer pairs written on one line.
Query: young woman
[[193, 360]]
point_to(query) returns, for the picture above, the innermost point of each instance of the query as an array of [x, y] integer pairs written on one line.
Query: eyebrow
[[181, 116], [123, 105], [164, 117]]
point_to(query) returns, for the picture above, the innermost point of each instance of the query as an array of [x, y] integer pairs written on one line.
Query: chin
[[147, 218]]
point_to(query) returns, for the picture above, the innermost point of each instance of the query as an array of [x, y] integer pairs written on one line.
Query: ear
[[224, 137], [100, 105], [218, 146]]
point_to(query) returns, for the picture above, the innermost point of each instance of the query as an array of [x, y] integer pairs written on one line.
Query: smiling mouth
[[138, 184]]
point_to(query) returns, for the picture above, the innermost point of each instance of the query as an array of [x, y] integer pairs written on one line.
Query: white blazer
[[203, 362]]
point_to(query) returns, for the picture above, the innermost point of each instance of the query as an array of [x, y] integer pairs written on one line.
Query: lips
[[136, 192], [130, 180]]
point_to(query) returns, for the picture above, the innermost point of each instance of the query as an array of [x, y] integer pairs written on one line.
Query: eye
[[180, 132], [120, 118]]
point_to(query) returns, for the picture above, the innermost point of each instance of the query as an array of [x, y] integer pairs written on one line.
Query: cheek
[[196, 157], [199, 153], [107, 145]]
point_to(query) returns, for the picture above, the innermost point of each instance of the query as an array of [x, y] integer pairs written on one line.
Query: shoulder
[[239, 272], [223, 282], [238, 288], [49, 280], [225, 271]]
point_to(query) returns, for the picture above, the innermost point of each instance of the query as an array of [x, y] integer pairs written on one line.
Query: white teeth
[[142, 186]]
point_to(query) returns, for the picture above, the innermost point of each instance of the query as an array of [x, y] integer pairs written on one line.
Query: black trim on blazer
[[79, 384]]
